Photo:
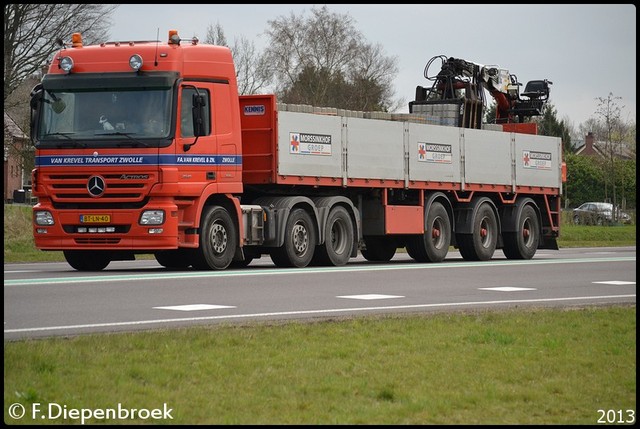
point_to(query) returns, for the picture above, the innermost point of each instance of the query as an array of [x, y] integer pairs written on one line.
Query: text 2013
[[616, 416]]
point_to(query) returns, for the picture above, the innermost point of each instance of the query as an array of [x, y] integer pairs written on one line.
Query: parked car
[[597, 213]]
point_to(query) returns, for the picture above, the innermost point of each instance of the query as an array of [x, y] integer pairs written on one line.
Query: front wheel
[[218, 240], [87, 260]]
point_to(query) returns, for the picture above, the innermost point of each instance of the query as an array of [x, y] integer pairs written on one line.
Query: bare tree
[[613, 134], [310, 56], [215, 35], [31, 31], [251, 72]]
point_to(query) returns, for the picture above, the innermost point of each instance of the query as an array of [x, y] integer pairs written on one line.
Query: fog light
[[155, 230], [41, 230]]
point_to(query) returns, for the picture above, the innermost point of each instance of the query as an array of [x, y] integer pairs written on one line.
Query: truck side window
[[186, 112]]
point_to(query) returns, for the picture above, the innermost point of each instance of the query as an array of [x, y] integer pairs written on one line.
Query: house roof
[[12, 128], [598, 148]]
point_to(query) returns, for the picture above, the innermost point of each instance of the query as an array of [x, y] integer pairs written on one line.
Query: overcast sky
[[587, 51]]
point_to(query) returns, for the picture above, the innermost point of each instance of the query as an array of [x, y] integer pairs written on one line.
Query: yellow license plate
[[95, 218]]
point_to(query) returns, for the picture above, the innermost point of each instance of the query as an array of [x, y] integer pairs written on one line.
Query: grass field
[[537, 366], [510, 367]]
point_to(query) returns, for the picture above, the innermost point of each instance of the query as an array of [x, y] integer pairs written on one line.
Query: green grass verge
[[536, 366]]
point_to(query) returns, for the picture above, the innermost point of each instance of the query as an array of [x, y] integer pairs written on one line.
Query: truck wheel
[[83, 260], [218, 240], [174, 259], [241, 264], [523, 244], [433, 245], [379, 248], [337, 246], [481, 244], [299, 241]]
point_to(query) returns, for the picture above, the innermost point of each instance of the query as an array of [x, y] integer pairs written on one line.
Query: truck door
[[196, 155]]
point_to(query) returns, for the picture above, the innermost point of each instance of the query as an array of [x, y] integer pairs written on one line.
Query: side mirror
[[199, 102]]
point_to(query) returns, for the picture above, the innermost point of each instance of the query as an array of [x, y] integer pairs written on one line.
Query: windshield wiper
[[135, 141], [65, 135]]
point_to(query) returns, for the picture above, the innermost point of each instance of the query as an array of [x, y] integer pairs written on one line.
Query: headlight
[[43, 218], [152, 217]]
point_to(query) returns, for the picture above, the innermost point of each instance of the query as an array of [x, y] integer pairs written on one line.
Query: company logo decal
[[309, 144], [96, 186]]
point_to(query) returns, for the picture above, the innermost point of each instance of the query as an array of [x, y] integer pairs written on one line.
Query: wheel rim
[[527, 237], [437, 238], [300, 239], [338, 237], [218, 238], [486, 232]]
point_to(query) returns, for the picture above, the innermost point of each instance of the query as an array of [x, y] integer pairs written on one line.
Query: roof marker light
[[135, 62], [66, 64]]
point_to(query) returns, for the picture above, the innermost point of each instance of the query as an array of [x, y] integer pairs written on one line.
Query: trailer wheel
[[523, 244], [83, 260], [433, 245], [174, 259], [379, 248], [337, 246], [218, 240], [481, 244], [299, 241]]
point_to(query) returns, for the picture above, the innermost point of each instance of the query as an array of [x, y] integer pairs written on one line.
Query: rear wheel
[[433, 245], [218, 240], [299, 241], [481, 243], [523, 243], [87, 260], [336, 249]]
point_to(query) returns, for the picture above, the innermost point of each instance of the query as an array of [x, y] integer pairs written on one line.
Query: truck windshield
[[103, 118]]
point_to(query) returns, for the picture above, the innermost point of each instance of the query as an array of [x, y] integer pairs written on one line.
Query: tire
[[481, 243], [241, 264], [576, 220], [433, 245], [523, 243], [299, 241], [87, 260], [174, 259], [218, 240], [336, 249], [379, 248]]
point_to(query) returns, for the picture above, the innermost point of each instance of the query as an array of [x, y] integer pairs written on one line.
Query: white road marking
[[309, 312], [194, 307], [507, 288], [370, 296], [616, 282]]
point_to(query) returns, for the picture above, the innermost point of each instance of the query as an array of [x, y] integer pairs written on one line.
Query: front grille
[[71, 189]]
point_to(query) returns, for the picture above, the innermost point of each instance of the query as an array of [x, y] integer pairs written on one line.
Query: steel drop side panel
[[297, 147]]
